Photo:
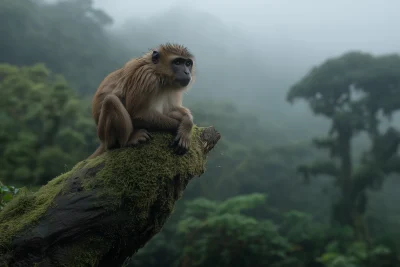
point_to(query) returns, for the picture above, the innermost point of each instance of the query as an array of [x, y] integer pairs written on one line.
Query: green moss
[[26, 209], [143, 173], [138, 172], [89, 255]]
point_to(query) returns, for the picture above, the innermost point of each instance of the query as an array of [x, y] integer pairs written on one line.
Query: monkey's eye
[[189, 63], [178, 61]]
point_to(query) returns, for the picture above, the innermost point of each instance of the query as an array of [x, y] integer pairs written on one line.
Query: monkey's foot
[[139, 136], [181, 143]]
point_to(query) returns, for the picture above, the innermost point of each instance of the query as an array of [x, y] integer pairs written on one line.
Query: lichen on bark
[[104, 209]]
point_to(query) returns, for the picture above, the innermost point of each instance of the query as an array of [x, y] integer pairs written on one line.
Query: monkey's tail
[[100, 150]]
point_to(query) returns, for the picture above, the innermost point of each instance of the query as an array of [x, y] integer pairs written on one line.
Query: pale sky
[[370, 24]]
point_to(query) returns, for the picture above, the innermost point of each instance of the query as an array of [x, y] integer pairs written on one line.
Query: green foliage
[[45, 129], [248, 159], [218, 234], [327, 87], [7, 193], [226, 237], [357, 254], [68, 36], [352, 90], [210, 233]]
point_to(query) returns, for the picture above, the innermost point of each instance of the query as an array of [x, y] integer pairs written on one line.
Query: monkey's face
[[182, 70], [177, 69]]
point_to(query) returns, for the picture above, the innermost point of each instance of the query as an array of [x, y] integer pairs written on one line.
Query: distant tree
[[221, 234], [355, 92], [211, 233], [69, 36], [45, 127], [255, 157]]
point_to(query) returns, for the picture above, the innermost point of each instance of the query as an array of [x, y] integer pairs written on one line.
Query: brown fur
[[142, 96]]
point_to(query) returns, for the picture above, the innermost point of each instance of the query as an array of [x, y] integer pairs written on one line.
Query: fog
[[328, 27], [279, 41]]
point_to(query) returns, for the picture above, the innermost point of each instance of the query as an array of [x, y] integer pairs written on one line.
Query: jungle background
[[307, 171]]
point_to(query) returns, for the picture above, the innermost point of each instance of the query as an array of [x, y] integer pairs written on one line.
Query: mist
[[266, 45], [323, 28]]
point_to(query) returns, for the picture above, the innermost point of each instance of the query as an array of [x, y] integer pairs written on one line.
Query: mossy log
[[104, 209]]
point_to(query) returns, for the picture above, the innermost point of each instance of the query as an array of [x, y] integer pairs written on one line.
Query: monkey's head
[[175, 64]]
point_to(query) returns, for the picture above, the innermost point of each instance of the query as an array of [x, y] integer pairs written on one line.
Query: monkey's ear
[[155, 57]]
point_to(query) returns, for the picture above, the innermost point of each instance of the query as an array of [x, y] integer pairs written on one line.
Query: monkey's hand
[[183, 137], [139, 136], [177, 115], [180, 113]]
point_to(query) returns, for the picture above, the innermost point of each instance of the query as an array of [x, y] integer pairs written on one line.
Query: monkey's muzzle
[[183, 81]]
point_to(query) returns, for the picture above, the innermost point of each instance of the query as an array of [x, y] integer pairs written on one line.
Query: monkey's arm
[[180, 113], [183, 138], [154, 120]]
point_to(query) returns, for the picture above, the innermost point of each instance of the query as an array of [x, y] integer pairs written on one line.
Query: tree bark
[[104, 209]]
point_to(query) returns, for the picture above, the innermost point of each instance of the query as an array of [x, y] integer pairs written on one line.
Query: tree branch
[[104, 209]]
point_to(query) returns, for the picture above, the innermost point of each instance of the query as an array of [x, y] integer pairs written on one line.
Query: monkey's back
[[106, 87]]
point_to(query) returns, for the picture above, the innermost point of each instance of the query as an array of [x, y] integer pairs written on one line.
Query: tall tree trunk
[[347, 211]]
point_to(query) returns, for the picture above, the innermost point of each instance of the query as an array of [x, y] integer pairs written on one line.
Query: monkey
[[146, 95]]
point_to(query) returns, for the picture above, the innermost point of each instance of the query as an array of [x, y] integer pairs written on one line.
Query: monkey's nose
[[186, 72]]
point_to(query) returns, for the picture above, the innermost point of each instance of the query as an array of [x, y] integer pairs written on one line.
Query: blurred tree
[[44, 130], [63, 35], [248, 160], [354, 91], [218, 234], [210, 233]]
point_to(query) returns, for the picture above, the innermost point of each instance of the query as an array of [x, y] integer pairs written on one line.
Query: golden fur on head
[[175, 49], [168, 51]]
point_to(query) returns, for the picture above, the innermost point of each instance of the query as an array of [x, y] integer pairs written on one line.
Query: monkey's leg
[[156, 121], [115, 125]]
